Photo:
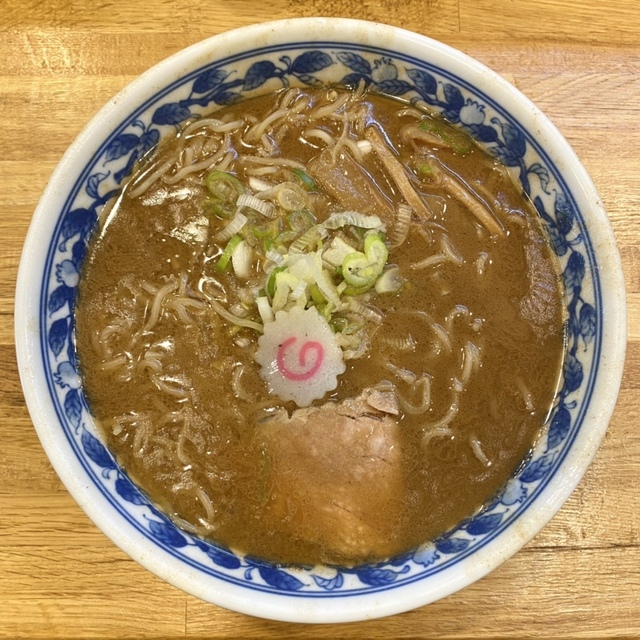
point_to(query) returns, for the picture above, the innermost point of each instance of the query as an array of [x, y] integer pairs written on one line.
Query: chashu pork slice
[[336, 479]]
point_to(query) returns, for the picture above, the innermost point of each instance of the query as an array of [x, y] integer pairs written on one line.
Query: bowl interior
[[222, 70]]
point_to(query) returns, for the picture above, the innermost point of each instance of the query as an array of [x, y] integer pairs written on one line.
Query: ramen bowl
[[261, 59]]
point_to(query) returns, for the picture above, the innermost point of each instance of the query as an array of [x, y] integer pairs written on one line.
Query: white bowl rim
[[295, 608]]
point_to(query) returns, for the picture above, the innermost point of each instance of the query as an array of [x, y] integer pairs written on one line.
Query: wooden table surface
[[60, 60]]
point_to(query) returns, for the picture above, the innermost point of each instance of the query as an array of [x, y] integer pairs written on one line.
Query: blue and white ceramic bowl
[[310, 52]]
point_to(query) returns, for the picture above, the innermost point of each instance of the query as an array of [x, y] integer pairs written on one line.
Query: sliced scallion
[[241, 259], [264, 309], [390, 281], [457, 140], [291, 197], [352, 218], [301, 220], [261, 206], [307, 181], [235, 224], [225, 189], [271, 282], [316, 295], [361, 270], [225, 257]]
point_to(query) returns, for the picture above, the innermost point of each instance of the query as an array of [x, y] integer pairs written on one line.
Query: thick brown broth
[[457, 368]]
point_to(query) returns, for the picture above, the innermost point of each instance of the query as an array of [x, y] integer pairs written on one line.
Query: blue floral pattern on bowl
[[317, 64]]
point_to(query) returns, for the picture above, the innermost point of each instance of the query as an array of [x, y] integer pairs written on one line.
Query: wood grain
[[62, 60]]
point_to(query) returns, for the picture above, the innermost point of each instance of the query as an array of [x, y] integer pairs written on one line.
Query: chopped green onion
[[339, 323], [361, 270], [337, 252], [225, 189], [285, 284], [212, 207], [390, 281], [224, 186], [264, 309], [299, 293], [291, 197], [306, 180], [328, 290], [301, 220], [286, 237], [316, 295], [350, 290], [426, 170], [266, 232], [257, 184], [241, 259], [248, 200], [353, 327], [354, 219], [403, 223], [225, 257], [317, 232], [274, 255], [271, 281], [233, 227], [261, 231], [457, 140]]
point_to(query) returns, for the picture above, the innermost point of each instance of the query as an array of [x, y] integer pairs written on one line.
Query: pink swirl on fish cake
[[306, 373]]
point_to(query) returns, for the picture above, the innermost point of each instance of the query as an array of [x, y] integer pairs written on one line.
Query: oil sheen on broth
[[320, 327]]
